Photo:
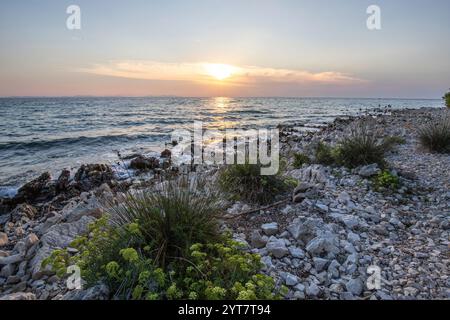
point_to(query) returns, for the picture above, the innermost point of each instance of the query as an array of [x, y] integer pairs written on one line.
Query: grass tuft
[[435, 136]]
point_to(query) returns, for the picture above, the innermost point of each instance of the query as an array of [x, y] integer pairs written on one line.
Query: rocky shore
[[327, 241]]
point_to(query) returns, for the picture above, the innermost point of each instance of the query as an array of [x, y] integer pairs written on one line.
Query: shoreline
[[320, 248]]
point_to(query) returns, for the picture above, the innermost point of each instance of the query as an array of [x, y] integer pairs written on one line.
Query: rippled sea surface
[[49, 134]]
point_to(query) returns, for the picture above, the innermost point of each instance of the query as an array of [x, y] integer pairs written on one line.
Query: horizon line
[[210, 97]]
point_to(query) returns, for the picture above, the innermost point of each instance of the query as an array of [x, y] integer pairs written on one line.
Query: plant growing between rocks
[[300, 159], [385, 180], [165, 245], [435, 136], [446, 98], [245, 182]]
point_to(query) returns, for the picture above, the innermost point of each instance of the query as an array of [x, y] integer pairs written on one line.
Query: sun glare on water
[[220, 71]]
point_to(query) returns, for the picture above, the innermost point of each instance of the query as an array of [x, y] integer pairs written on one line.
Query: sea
[[50, 134]]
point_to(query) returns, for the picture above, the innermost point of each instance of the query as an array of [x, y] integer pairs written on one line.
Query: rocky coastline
[[324, 242]]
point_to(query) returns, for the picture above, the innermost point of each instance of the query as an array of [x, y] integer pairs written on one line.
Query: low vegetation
[[447, 99], [165, 245], [300, 159], [435, 136], [245, 182], [385, 180], [361, 147]]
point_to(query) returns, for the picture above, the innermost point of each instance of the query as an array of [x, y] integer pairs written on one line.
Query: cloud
[[198, 72]]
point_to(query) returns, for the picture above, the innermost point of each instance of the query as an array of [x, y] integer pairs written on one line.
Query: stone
[[98, 292], [355, 286], [324, 245], [23, 210], [258, 241], [291, 280], [369, 171], [31, 240], [320, 264], [39, 189], [277, 247], [166, 153], [89, 176], [296, 252], [312, 290], [11, 259], [63, 181], [57, 236], [74, 210], [270, 229], [303, 231], [3, 239], [7, 270], [144, 163], [19, 296]]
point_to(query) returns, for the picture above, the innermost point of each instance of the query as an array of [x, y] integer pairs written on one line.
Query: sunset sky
[[225, 48]]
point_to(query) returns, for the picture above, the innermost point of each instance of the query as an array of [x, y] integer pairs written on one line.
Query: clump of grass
[[435, 136], [245, 182], [172, 218], [361, 147], [300, 159], [386, 180], [325, 154], [446, 98]]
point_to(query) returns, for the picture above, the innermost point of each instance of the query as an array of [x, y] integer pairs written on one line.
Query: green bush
[[172, 218], [361, 147], [165, 245], [245, 182], [447, 99], [325, 154], [435, 136], [300, 159], [386, 180], [215, 270]]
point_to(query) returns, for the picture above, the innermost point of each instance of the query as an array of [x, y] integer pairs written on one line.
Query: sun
[[220, 71]]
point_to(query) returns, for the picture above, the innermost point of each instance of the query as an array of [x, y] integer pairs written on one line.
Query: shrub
[[386, 180], [435, 136], [216, 270], [447, 99], [300, 159], [361, 147], [245, 182], [324, 154], [172, 218]]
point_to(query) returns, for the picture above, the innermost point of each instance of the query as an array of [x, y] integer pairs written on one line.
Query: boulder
[[355, 286], [166, 154], [369, 171], [277, 247], [38, 189], [258, 241], [63, 180], [57, 237], [325, 245], [144, 163], [90, 176], [23, 211]]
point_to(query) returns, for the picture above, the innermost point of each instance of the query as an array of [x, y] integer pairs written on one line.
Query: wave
[[66, 142]]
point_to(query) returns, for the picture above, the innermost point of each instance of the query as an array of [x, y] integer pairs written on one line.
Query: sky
[[289, 48]]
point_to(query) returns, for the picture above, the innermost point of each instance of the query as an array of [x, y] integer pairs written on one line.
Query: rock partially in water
[[144, 163], [90, 176], [39, 189]]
